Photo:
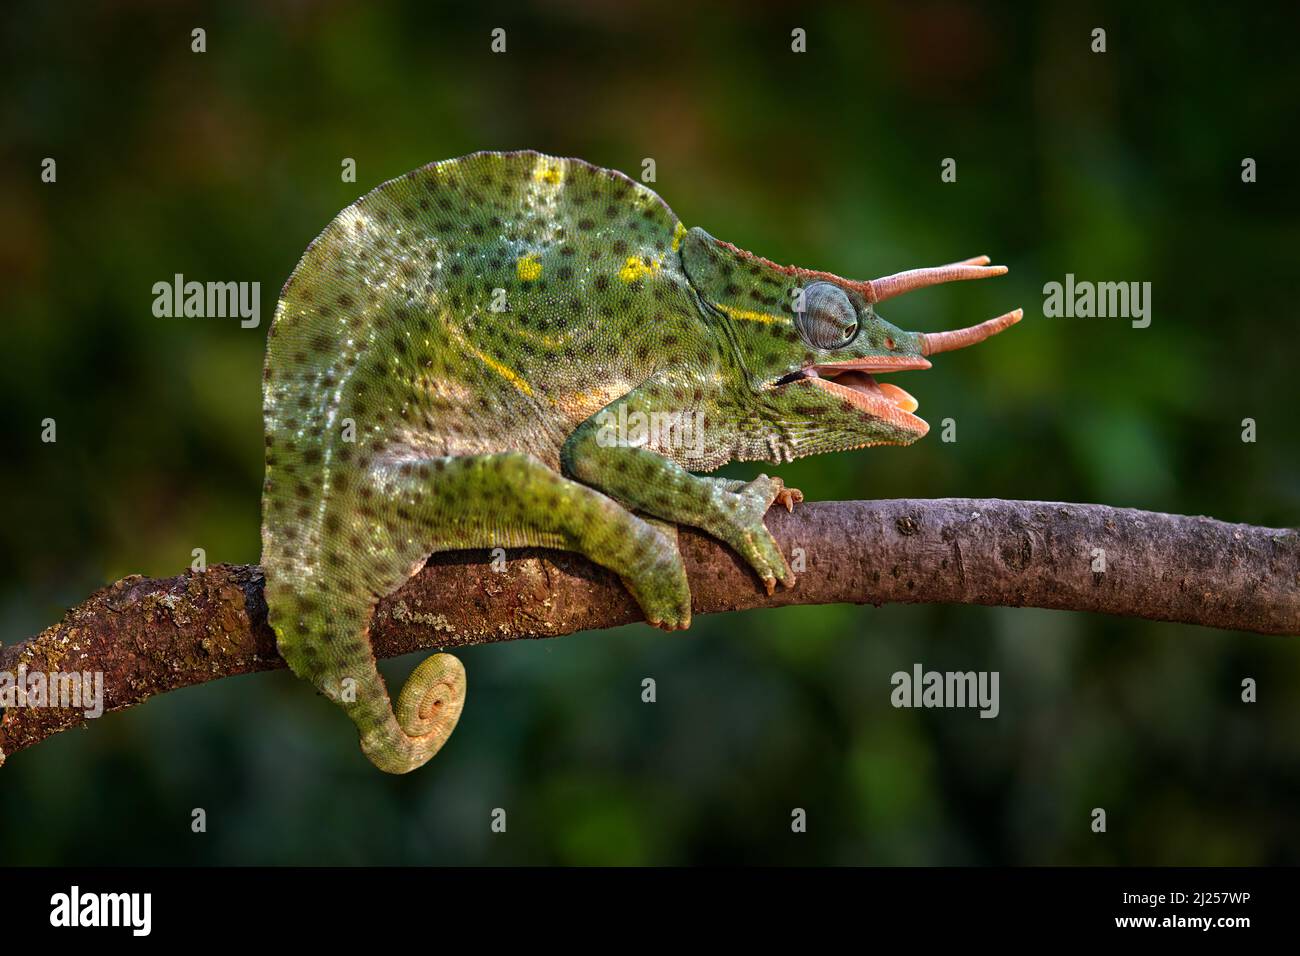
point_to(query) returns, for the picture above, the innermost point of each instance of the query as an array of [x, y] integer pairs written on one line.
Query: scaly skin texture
[[410, 408]]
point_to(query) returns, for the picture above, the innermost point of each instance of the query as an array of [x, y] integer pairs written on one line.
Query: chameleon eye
[[828, 320]]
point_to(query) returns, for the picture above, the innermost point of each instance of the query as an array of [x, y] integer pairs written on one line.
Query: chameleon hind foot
[[661, 590]]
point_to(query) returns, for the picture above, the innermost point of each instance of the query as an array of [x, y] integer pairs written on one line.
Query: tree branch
[[148, 636]]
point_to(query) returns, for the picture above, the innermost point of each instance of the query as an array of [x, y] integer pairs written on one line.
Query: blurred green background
[[1116, 166]]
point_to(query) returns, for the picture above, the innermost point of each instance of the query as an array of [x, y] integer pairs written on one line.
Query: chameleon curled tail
[[427, 711], [330, 647]]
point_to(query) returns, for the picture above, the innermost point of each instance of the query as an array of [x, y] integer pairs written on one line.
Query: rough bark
[[148, 635]]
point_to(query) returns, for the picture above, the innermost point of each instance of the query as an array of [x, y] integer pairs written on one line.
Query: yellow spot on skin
[[528, 268], [749, 316], [635, 269], [678, 234], [548, 174]]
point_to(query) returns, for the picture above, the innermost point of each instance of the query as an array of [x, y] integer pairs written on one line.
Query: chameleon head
[[812, 343]]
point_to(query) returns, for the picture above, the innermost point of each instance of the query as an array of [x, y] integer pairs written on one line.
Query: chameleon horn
[[934, 342], [878, 290]]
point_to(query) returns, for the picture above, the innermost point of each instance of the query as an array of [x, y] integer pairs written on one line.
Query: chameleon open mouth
[[855, 382]]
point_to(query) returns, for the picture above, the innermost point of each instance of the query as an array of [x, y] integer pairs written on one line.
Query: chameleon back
[[472, 305]]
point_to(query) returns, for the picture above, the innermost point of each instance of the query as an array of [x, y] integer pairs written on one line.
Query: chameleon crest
[[510, 350]]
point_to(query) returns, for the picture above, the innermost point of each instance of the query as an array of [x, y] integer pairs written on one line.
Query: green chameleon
[[512, 349]]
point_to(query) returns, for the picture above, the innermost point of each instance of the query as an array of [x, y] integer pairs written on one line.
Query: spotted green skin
[[405, 416]]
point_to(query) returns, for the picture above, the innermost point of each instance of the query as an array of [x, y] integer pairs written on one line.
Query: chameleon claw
[[774, 491], [663, 625], [789, 497]]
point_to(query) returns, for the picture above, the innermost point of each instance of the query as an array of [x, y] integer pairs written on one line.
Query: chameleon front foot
[[745, 531]]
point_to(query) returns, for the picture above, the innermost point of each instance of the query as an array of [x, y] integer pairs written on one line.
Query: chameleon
[[512, 349]]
